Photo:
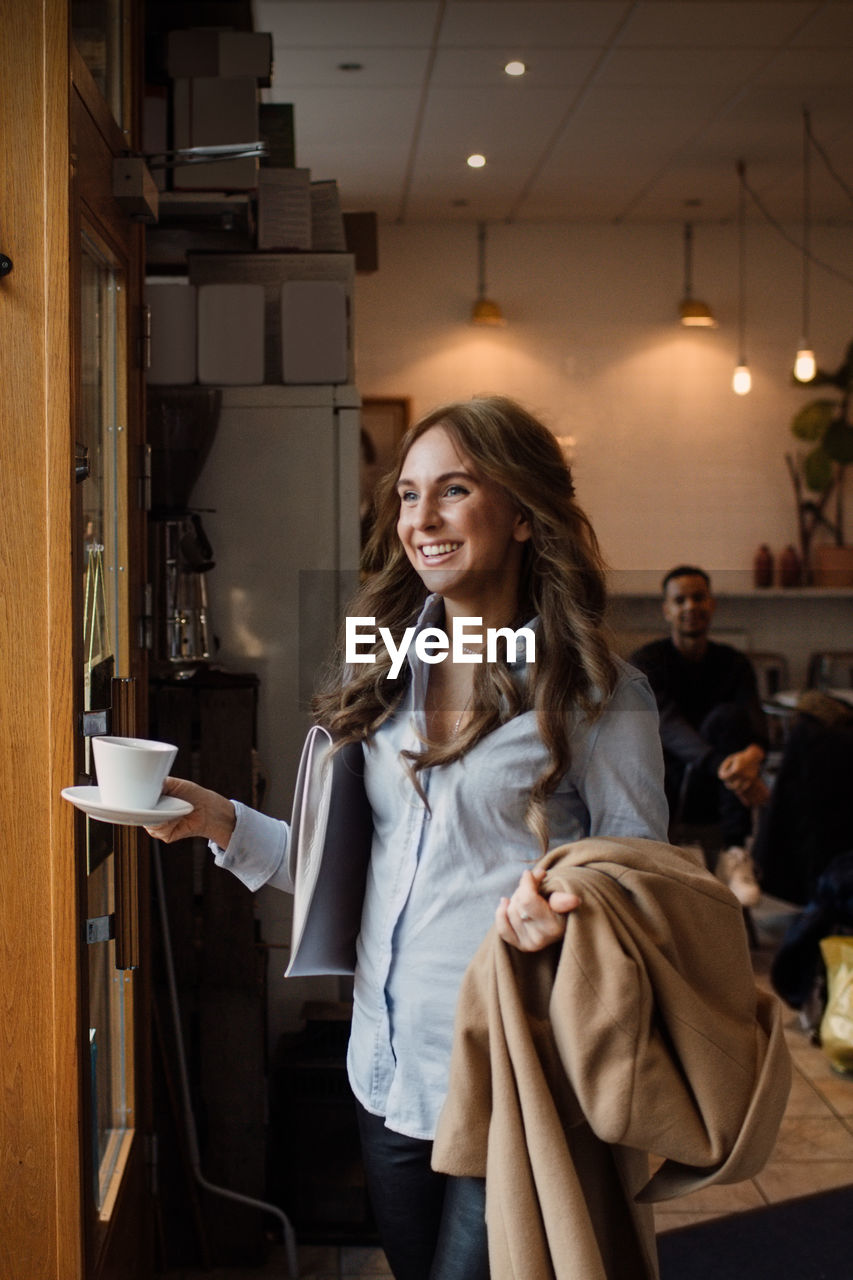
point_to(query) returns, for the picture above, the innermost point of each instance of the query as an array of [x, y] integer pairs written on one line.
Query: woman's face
[[461, 531]]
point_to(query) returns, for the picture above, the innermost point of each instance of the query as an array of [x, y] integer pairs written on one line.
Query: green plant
[[818, 473]]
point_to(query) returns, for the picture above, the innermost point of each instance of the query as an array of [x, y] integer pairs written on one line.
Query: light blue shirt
[[437, 872]]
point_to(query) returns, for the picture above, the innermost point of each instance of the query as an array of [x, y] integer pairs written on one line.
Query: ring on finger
[[523, 915]]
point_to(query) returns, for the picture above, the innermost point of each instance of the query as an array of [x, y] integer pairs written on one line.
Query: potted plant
[[818, 476]]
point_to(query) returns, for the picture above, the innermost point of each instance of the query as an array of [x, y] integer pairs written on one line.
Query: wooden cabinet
[[219, 977]]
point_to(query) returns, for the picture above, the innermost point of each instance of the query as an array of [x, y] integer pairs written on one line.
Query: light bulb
[[515, 68], [476, 161], [805, 367], [742, 380]]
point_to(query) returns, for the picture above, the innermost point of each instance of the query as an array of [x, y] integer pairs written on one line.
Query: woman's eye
[[455, 490], [408, 495]]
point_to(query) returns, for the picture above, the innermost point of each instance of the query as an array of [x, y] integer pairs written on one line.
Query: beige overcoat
[[640, 1041]]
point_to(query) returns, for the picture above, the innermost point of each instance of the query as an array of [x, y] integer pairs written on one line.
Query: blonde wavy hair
[[562, 583]]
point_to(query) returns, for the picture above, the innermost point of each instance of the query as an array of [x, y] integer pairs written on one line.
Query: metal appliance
[[182, 422]]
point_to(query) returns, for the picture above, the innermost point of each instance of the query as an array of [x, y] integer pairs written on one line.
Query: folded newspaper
[[330, 837]]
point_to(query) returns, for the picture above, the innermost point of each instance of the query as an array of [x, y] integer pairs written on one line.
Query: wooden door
[[53, 1224]]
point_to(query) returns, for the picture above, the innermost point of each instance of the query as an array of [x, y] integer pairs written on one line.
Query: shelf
[[751, 593]]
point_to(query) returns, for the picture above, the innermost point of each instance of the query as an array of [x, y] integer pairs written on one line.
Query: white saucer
[[89, 800]]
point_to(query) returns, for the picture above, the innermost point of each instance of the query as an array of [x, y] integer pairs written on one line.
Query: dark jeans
[[705, 799], [432, 1227]]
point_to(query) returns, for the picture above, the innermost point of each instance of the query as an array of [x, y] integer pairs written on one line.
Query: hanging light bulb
[[741, 378], [484, 311], [692, 311], [805, 367]]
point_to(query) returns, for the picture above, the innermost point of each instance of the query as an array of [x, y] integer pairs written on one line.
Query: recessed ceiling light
[[515, 68], [476, 161]]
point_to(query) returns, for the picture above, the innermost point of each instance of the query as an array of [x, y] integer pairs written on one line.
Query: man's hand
[[741, 773]]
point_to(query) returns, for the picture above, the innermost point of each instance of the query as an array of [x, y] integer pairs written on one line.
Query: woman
[[473, 769]]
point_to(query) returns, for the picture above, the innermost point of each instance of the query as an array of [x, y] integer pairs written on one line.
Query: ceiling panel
[[517, 26], [321, 69], [681, 69], [546, 68], [630, 107], [726, 24], [315, 23]]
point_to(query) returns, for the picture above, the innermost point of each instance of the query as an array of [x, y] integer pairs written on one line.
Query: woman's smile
[[439, 550]]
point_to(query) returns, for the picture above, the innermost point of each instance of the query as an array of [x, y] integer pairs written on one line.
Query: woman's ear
[[521, 530]]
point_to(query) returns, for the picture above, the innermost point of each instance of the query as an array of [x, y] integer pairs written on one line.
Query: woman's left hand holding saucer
[[212, 818], [530, 922]]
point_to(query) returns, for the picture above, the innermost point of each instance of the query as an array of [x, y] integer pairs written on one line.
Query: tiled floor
[[814, 1152]]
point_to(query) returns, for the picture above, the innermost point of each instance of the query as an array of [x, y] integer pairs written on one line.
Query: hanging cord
[[799, 245], [807, 225], [741, 264], [830, 168], [191, 1134]]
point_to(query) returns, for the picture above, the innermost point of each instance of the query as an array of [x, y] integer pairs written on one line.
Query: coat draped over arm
[[640, 1041]]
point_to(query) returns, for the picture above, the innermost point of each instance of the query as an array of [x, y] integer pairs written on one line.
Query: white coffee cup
[[131, 771]]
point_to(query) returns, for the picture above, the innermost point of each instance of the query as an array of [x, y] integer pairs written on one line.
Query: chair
[[771, 672], [773, 675], [830, 669]]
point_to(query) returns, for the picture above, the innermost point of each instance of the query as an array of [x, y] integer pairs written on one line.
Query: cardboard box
[[230, 335], [327, 223], [314, 332], [275, 123], [284, 209], [271, 270], [203, 51], [211, 111], [362, 236], [173, 332]]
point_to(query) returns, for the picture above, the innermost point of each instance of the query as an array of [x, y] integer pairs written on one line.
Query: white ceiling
[[631, 110]]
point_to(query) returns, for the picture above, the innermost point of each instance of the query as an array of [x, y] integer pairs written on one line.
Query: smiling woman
[[472, 769]]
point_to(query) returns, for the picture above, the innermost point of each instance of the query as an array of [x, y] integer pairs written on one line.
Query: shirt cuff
[[257, 851]]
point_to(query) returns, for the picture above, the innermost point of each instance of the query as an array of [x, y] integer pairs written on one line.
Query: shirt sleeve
[[618, 767], [257, 851]]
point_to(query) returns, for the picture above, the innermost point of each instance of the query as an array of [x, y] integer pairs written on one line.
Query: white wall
[[669, 463]]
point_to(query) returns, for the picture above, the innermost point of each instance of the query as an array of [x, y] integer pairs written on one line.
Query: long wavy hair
[[562, 583]]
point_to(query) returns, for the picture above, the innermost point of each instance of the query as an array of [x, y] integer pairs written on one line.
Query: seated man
[[710, 720]]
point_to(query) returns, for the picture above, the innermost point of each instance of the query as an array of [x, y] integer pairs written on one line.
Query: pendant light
[[692, 311], [484, 311], [742, 378], [804, 364]]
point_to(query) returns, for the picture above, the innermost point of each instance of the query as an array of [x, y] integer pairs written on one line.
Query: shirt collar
[[432, 615]]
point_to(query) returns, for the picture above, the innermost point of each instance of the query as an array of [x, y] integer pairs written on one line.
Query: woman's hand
[[530, 922], [212, 818]]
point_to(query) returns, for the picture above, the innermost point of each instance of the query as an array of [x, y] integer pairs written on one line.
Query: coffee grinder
[[181, 422]]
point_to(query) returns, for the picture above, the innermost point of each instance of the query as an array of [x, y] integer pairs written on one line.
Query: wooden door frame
[[42, 1209]]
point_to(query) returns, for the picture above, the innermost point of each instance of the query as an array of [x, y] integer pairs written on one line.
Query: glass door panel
[[98, 31], [101, 430]]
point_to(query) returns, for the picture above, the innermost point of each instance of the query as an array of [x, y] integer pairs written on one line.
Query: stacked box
[[270, 271]]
